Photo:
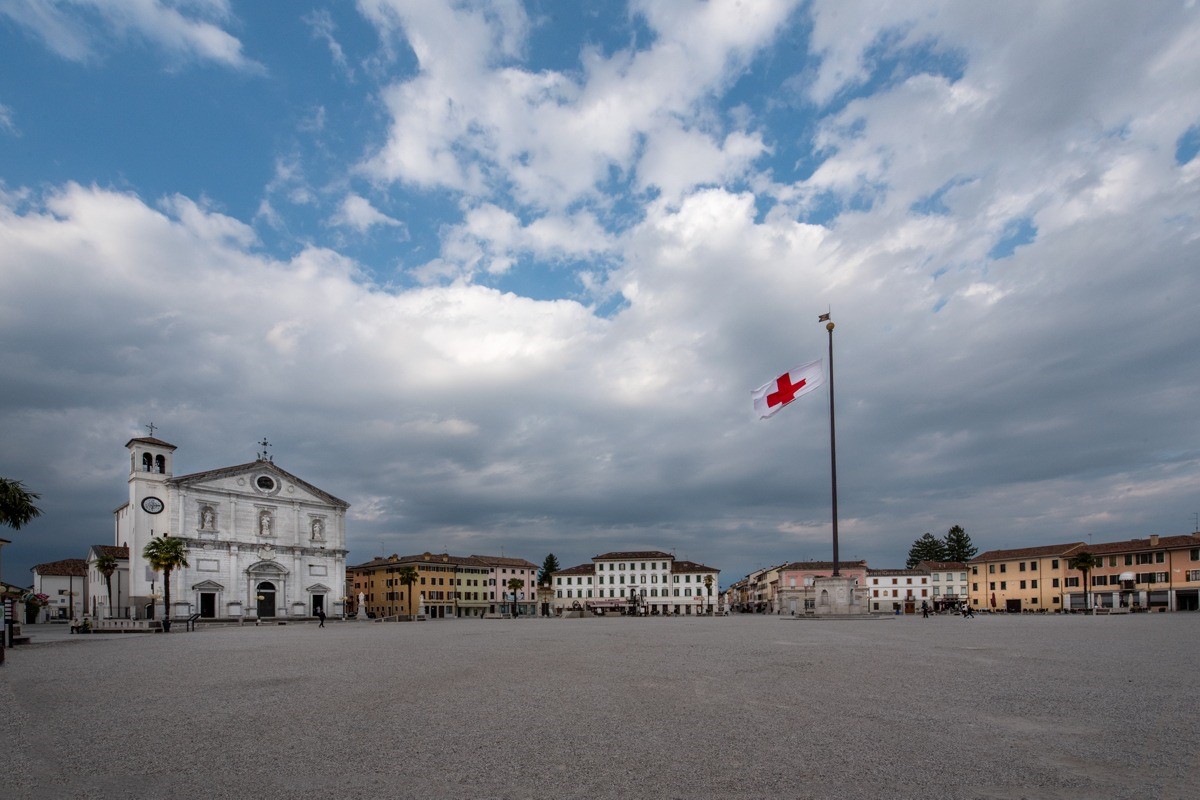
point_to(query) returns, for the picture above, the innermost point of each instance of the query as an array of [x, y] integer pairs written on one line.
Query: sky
[[504, 275]]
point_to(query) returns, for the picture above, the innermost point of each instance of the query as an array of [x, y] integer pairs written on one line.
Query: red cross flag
[[801, 380]]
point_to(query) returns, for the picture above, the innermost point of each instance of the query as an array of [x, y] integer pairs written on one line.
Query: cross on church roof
[[264, 455], [151, 428]]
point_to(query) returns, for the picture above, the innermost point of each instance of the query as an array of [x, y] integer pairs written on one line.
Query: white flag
[[797, 382]]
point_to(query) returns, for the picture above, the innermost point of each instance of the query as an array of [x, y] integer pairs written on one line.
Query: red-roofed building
[[65, 583], [645, 582]]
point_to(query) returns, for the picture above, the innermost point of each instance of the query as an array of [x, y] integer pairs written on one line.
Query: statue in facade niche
[[318, 529], [264, 524], [208, 519]]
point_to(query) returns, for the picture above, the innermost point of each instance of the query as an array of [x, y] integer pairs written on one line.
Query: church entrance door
[[318, 603], [208, 604], [266, 599]]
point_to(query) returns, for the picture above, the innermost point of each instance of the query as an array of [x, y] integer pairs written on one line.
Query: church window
[[160, 464], [147, 462], [264, 483]]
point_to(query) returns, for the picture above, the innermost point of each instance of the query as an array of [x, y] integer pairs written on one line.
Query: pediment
[[266, 568], [261, 480], [318, 588], [205, 586]]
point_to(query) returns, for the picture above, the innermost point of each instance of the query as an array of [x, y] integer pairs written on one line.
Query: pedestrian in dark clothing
[[321, 616], [924, 609]]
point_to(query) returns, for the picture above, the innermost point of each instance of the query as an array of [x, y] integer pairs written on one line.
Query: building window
[[1054, 582], [1022, 566], [1033, 584], [1004, 567], [1054, 563], [1003, 585], [1022, 584], [992, 568]]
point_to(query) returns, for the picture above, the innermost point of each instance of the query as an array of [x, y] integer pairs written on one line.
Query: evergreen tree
[[958, 545], [927, 548], [549, 567]]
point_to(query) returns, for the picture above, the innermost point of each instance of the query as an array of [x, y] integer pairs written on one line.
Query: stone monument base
[[838, 596]]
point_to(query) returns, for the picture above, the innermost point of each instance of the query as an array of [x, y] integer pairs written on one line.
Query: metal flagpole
[[832, 443]]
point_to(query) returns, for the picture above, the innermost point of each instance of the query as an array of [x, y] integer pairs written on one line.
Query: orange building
[[1158, 572]]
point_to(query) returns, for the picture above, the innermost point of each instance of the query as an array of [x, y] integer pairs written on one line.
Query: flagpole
[[832, 446]]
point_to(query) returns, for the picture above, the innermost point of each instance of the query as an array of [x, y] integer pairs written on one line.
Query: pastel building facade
[[796, 592], [947, 582], [898, 590], [650, 582]]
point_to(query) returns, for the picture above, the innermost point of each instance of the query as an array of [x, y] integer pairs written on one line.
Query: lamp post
[[154, 595]]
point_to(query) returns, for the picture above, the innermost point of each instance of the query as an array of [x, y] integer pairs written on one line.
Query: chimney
[[1154, 540]]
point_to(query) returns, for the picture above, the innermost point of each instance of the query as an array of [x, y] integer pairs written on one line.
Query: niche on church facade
[[266, 523], [317, 529], [206, 519]]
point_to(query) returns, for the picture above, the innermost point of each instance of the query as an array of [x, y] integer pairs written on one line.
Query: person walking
[[321, 616], [924, 609]]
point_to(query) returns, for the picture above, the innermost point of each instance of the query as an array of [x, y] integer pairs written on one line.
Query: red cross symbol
[[785, 390]]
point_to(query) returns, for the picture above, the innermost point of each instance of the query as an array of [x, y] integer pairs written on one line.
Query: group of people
[[962, 608]]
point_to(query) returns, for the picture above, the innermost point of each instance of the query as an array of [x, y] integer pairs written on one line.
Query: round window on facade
[[265, 483]]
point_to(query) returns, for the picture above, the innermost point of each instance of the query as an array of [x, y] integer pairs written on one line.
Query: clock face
[[152, 505]]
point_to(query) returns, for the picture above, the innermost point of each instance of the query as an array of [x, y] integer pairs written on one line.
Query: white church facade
[[261, 543]]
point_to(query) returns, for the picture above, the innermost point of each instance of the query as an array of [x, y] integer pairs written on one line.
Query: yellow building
[[1024, 579], [446, 586]]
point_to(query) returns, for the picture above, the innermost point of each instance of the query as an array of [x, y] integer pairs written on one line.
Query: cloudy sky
[[503, 275]]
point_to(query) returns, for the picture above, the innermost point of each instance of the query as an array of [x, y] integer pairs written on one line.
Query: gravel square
[[732, 707]]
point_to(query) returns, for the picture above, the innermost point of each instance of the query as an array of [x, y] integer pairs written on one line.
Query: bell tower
[[149, 509]]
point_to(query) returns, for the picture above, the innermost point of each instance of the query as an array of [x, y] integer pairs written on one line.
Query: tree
[[166, 554], [958, 545], [106, 565], [515, 585], [927, 548], [549, 567], [408, 577], [708, 584], [17, 504], [1085, 562]]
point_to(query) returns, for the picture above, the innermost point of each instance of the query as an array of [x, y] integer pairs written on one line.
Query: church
[[261, 543]]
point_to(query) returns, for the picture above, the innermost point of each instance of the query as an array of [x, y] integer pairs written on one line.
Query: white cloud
[[185, 29], [357, 212], [552, 136], [7, 125]]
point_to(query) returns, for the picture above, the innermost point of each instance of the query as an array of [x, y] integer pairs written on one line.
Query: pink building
[[794, 589]]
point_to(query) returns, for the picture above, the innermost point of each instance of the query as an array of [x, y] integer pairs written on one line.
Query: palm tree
[[515, 585], [106, 565], [17, 504], [1085, 562], [166, 554], [708, 584], [408, 577]]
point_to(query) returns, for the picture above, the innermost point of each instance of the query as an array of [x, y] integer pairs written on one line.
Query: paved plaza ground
[[731, 707]]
